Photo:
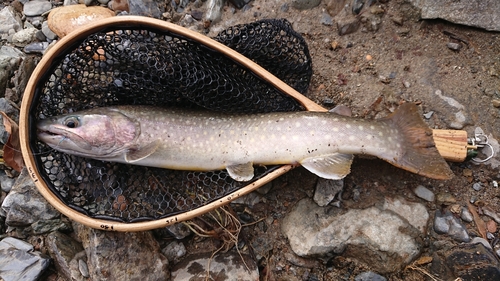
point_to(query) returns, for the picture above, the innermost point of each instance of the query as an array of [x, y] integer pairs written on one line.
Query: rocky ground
[[379, 223]]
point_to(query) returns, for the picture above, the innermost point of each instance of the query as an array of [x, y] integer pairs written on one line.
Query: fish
[[196, 140]]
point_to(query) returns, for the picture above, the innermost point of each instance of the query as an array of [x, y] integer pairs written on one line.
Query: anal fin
[[142, 152], [241, 172], [332, 166]]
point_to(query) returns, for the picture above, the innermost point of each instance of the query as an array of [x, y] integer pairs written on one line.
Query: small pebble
[[326, 19], [83, 268], [174, 251], [406, 84], [36, 8], [495, 103], [483, 241], [424, 193], [467, 173], [477, 186], [495, 184], [487, 210], [446, 223], [445, 198], [491, 226], [466, 215], [428, 115], [454, 46]]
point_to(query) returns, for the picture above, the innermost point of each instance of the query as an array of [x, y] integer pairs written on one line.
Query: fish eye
[[71, 122]]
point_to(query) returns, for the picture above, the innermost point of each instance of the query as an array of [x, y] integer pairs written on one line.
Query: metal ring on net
[[130, 60]]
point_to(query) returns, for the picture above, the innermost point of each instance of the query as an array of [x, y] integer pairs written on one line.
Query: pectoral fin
[[332, 166], [241, 172], [142, 152]]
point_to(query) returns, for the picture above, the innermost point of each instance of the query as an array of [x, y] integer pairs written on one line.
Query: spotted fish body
[[199, 140]]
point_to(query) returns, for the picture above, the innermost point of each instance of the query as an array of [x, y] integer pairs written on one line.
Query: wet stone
[[446, 223], [36, 8], [424, 193], [18, 261]]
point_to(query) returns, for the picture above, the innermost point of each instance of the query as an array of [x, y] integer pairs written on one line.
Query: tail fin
[[420, 155]]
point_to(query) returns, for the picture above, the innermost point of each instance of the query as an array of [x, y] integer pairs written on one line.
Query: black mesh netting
[[138, 65]]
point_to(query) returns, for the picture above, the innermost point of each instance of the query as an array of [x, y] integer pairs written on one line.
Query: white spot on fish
[[324, 121], [334, 120], [372, 127], [348, 126], [381, 134], [352, 138], [360, 127], [297, 124], [335, 129], [295, 137]]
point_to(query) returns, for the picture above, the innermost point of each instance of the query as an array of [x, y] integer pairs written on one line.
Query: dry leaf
[[481, 225], [12, 155]]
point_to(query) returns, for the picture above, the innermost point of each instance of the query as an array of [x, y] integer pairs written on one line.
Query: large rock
[[65, 251], [10, 20], [24, 205], [10, 59], [63, 20], [478, 13], [381, 237], [122, 256], [223, 266], [18, 261]]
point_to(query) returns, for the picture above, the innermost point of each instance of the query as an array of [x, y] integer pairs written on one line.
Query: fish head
[[99, 133]]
